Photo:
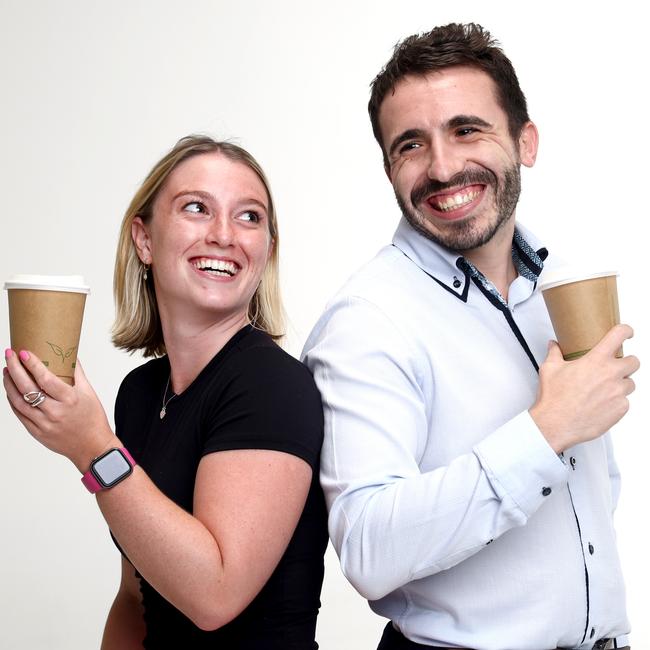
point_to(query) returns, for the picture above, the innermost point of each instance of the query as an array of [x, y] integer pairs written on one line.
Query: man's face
[[452, 162]]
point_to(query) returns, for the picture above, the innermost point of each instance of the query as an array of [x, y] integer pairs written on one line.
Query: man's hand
[[580, 400]]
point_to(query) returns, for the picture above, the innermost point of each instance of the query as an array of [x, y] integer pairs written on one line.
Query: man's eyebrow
[[453, 123], [409, 134], [467, 120]]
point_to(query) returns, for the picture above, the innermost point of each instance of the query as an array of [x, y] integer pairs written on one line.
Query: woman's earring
[[145, 271]]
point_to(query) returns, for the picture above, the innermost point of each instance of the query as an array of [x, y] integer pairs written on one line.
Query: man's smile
[[453, 200]]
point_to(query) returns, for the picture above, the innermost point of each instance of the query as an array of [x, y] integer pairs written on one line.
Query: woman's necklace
[[165, 402]]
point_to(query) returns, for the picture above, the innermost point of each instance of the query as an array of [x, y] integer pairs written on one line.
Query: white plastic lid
[[560, 276], [70, 283]]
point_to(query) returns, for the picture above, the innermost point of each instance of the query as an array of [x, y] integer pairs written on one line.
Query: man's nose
[[445, 161]]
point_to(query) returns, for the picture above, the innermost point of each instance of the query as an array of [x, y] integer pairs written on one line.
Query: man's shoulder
[[381, 302], [378, 280]]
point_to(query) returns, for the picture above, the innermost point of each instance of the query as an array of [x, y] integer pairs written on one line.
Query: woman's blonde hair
[[137, 322]]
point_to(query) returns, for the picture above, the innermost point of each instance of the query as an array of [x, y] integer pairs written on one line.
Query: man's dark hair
[[443, 47]]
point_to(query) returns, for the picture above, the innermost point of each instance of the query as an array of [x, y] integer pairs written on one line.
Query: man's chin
[[458, 236]]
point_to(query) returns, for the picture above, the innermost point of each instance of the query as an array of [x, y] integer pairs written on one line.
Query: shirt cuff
[[520, 463]]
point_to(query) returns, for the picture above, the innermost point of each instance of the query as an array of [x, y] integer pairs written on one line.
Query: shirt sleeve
[[270, 402], [613, 470], [123, 404], [389, 522]]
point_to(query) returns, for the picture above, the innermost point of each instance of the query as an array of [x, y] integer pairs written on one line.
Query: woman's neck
[[191, 346]]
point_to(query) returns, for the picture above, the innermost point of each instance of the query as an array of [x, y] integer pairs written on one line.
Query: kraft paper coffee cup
[[582, 309], [45, 315]]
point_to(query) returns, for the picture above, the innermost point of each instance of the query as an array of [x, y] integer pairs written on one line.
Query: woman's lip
[[214, 277], [215, 267], [220, 258]]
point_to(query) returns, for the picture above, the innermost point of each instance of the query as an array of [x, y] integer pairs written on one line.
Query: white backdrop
[[92, 93]]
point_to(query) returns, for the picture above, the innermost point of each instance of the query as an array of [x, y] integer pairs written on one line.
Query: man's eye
[[409, 146], [250, 216], [194, 206], [466, 130]]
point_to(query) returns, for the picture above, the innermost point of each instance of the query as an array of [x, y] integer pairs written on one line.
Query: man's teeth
[[218, 267], [455, 201]]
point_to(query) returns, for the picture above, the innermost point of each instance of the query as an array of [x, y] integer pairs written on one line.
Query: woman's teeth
[[218, 267]]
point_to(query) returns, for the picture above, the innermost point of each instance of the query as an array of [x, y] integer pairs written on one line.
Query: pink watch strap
[[92, 484]]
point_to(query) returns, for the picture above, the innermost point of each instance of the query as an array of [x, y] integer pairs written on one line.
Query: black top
[[251, 395]]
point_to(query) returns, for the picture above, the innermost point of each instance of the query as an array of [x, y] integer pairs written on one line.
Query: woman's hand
[[70, 420]]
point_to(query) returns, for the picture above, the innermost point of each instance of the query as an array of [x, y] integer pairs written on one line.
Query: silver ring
[[34, 397], [38, 401]]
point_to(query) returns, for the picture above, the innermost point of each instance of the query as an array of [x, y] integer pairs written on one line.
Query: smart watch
[[108, 470]]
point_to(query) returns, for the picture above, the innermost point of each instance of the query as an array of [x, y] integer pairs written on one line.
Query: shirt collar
[[452, 270]]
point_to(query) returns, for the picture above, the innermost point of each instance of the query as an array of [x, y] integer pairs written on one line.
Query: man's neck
[[494, 259]]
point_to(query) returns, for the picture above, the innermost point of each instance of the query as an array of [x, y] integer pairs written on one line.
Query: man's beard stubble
[[464, 235]]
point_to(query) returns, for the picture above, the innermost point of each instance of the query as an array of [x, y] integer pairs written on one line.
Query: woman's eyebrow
[[202, 194]]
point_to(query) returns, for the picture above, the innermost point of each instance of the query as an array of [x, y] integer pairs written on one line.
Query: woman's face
[[208, 240]]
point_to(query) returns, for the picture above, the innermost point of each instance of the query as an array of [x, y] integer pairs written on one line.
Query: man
[[467, 467]]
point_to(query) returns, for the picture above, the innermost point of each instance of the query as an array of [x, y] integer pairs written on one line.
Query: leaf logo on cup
[[60, 352]]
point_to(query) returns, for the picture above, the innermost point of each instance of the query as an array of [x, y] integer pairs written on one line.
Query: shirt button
[[456, 283], [593, 631], [591, 548], [546, 491], [572, 460]]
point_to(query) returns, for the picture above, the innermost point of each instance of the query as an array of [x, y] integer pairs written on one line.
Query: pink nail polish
[[24, 356], [8, 353]]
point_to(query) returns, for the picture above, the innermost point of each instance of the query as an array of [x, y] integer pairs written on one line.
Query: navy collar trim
[[528, 262]]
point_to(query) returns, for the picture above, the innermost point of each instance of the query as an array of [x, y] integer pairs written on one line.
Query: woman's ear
[[141, 239]]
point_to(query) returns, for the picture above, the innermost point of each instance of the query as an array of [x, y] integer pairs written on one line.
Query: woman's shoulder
[[259, 353], [263, 366], [146, 376], [261, 397], [138, 390]]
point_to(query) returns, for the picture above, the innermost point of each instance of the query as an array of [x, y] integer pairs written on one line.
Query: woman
[[221, 522]]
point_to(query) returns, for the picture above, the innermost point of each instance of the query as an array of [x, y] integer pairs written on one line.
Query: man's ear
[[141, 239], [528, 143]]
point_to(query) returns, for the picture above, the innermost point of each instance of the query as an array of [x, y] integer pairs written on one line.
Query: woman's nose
[[220, 231]]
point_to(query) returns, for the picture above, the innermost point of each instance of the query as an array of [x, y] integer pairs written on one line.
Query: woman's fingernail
[[8, 353], [24, 356]]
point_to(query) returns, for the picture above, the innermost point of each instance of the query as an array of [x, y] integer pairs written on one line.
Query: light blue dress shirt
[[449, 511]]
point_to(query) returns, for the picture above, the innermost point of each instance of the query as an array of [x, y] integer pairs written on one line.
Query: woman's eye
[[250, 216], [194, 206]]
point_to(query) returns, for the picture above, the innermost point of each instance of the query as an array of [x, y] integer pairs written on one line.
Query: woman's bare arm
[[211, 564], [247, 503], [125, 628]]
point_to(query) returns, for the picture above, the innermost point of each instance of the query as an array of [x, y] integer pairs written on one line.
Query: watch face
[[111, 468]]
